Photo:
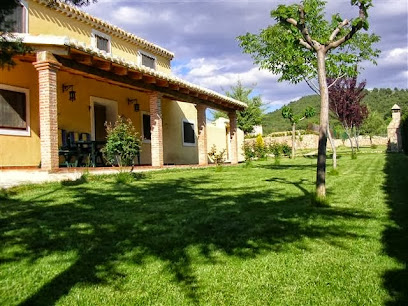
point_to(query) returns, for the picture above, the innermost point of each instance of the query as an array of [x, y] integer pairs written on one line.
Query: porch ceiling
[[79, 59]]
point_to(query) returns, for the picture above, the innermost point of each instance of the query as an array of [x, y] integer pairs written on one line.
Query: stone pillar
[[156, 129], [394, 131], [202, 135], [47, 67], [233, 137]]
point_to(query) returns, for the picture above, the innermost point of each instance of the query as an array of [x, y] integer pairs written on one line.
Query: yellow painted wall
[[22, 150], [174, 151], [219, 136], [47, 21]]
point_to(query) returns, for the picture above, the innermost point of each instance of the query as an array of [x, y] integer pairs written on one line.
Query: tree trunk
[[356, 134], [293, 140], [351, 143], [324, 122], [333, 146]]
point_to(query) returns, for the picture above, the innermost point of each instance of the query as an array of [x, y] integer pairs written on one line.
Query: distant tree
[[287, 113], [303, 45], [10, 45], [250, 116], [373, 125], [345, 102]]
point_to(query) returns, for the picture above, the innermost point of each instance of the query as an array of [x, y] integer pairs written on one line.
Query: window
[[188, 133], [148, 60], [17, 21], [146, 127], [101, 41], [14, 111]]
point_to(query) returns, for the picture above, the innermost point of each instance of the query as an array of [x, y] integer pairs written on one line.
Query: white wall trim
[[101, 34], [15, 132]]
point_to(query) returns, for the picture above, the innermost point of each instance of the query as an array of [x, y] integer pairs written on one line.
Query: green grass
[[246, 235]]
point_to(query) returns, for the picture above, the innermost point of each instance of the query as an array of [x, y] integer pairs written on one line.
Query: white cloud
[[217, 73], [397, 56], [140, 15]]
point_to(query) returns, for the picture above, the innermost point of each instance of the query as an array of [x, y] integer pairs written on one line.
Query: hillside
[[379, 100]]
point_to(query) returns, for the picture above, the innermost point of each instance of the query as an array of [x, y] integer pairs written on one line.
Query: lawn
[[240, 236]]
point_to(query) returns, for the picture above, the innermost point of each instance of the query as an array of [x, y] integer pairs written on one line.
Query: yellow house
[[83, 72]]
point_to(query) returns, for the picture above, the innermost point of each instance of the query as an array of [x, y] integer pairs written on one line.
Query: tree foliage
[[373, 125], [250, 116], [378, 100], [11, 45], [345, 98], [287, 113]]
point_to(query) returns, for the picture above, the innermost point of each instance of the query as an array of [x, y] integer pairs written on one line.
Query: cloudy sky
[[202, 34]]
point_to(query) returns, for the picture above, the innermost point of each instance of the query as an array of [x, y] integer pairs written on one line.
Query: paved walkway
[[10, 178]]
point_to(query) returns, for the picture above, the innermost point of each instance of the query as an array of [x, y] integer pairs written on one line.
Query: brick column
[[233, 137], [156, 129], [48, 67], [202, 134]]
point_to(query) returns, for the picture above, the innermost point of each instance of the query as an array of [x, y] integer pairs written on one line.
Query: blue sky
[[202, 34]]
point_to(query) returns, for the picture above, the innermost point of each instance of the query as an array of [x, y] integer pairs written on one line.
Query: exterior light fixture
[[72, 92], [136, 106]]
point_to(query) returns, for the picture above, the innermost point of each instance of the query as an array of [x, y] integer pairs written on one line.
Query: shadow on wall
[[160, 219], [395, 238]]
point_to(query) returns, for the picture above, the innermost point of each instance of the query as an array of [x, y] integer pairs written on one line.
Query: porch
[[155, 94]]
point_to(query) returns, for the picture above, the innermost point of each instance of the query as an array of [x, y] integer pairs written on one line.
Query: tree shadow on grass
[[160, 219], [395, 237]]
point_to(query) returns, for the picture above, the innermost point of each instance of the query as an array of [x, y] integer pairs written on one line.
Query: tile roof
[[81, 46]]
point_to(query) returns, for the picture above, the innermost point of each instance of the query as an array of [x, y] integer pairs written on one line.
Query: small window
[[188, 133], [14, 111], [16, 21], [148, 61], [101, 41], [146, 127]]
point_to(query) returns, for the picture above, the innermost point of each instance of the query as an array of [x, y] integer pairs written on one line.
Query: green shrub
[[124, 177], [286, 149], [353, 155], [249, 151], [374, 146], [217, 157], [260, 148], [123, 143]]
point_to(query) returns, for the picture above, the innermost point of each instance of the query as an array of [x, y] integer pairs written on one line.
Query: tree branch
[[312, 86], [334, 82], [305, 44], [337, 30], [292, 21], [349, 35], [303, 29]]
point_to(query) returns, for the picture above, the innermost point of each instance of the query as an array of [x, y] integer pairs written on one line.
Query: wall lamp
[[136, 106], [72, 92]]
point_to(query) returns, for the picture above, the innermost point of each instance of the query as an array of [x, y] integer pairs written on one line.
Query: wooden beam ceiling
[[120, 75]]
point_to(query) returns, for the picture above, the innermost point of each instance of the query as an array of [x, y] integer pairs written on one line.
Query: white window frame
[[142, 127], [16, 132], [103, 35], [141, 53], [188, 144], [24, 3]]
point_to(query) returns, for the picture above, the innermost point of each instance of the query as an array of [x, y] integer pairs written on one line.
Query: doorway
[[102, 111]]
